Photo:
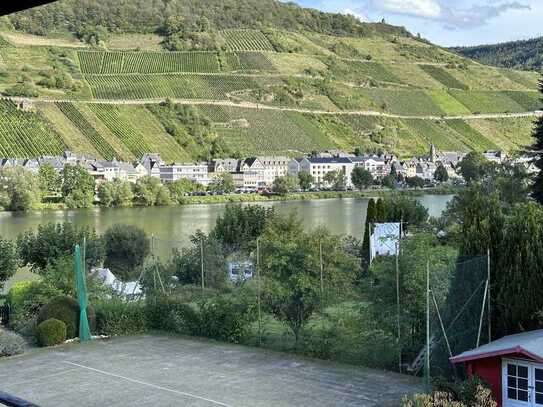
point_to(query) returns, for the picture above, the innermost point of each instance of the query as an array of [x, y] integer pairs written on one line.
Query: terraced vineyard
[[138, 130], [246, 40], [94, 62], [168, 86], [4, 43], [266, 131], [444, 77], [86, 128], [26, 134]]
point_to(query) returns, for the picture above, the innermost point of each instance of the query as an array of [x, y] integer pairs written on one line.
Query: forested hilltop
[[195, 80], [526, 55], [143, 16]]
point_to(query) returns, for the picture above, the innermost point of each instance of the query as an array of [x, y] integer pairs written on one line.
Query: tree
[[284, 185], [224, 183], [52, 241], [361, 178], [50, 180], [335, 179], [441, 174], [149, 191], [9, 260], [415, 182], [537, 152], [19, 189], [179, 189], [78, 187], [389, 181], [473, 167], [520, 280], [127, 247], [106, 194], [290, 261], [239, 226], [305, 179], [187, 264], [417, 249]]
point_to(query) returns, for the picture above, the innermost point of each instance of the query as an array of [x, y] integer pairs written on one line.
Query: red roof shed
[[513, 366]]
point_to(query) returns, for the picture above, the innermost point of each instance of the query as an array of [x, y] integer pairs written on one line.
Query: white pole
[[258, 291], [428, 326], [488, 298], [398, 306]]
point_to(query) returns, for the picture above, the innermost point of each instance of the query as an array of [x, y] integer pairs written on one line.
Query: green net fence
[[379, 321]]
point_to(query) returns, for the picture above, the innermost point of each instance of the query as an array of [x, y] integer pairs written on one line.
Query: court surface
[[155, 370]]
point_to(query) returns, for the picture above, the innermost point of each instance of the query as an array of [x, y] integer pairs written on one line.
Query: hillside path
[[258, 106]]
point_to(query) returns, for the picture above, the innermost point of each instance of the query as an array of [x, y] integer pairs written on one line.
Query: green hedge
[[66, 309], [222, 317], [51, 332], [117, 318]]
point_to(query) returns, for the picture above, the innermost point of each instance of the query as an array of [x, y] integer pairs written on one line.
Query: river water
[[172, 226]]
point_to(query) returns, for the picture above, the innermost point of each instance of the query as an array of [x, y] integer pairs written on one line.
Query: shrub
[[114, 318], [18, 293], [226, 318], [10, 344], [172, 315], [51, 332], [66, 309]]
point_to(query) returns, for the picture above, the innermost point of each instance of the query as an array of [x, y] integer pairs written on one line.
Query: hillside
[[239, 87], [526, 55]]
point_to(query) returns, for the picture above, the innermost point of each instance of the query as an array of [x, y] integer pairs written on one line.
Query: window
[[538, 387], [517, 382], [522, 384]]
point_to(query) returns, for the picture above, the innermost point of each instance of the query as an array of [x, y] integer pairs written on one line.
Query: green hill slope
[[525, 55], [246, 87]]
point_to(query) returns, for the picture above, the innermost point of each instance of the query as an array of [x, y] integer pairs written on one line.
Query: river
[[172, 226]]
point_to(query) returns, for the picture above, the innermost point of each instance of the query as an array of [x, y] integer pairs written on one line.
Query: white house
[[318, 167], [194, 172], [274, 167]]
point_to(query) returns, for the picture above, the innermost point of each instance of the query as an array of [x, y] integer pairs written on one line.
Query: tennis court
[[155, 370]]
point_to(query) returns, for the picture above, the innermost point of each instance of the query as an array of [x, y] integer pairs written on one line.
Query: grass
[[530, 101], [448, 104], [145, 42]]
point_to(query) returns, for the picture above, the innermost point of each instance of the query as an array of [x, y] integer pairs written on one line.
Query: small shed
[[512, 365]]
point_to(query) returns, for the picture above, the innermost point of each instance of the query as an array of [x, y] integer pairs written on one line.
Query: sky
[[449, 22]]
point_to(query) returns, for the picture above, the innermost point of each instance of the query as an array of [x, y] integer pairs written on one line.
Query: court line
[[182, 393]]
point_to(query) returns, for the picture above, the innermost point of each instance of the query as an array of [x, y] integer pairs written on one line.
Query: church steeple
[[433, 153]]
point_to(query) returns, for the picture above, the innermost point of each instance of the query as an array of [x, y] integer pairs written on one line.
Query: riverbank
[[294, 196]]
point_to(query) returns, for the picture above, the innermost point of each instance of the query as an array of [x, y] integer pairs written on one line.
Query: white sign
[[384, 240]]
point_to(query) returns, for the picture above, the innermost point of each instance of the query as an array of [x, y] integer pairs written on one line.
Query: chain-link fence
[[388, 319]]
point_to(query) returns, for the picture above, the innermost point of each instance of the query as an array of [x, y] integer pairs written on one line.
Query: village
[[258, 174]]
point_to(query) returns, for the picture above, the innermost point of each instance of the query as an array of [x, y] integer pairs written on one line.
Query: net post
[[258, 291], [488, 296], [398, 322], [427, 326], [202, 265]]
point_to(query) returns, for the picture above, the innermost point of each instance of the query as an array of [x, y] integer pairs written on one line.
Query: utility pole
[[398, 306], [488, 297], [428, 325], [258, 291], [202, 264]]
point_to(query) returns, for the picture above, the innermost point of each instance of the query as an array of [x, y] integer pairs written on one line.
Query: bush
[[11, 344], [66, 309], [226, 318], [172, 315], [51, 332], [19, 293], [117, 318]]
